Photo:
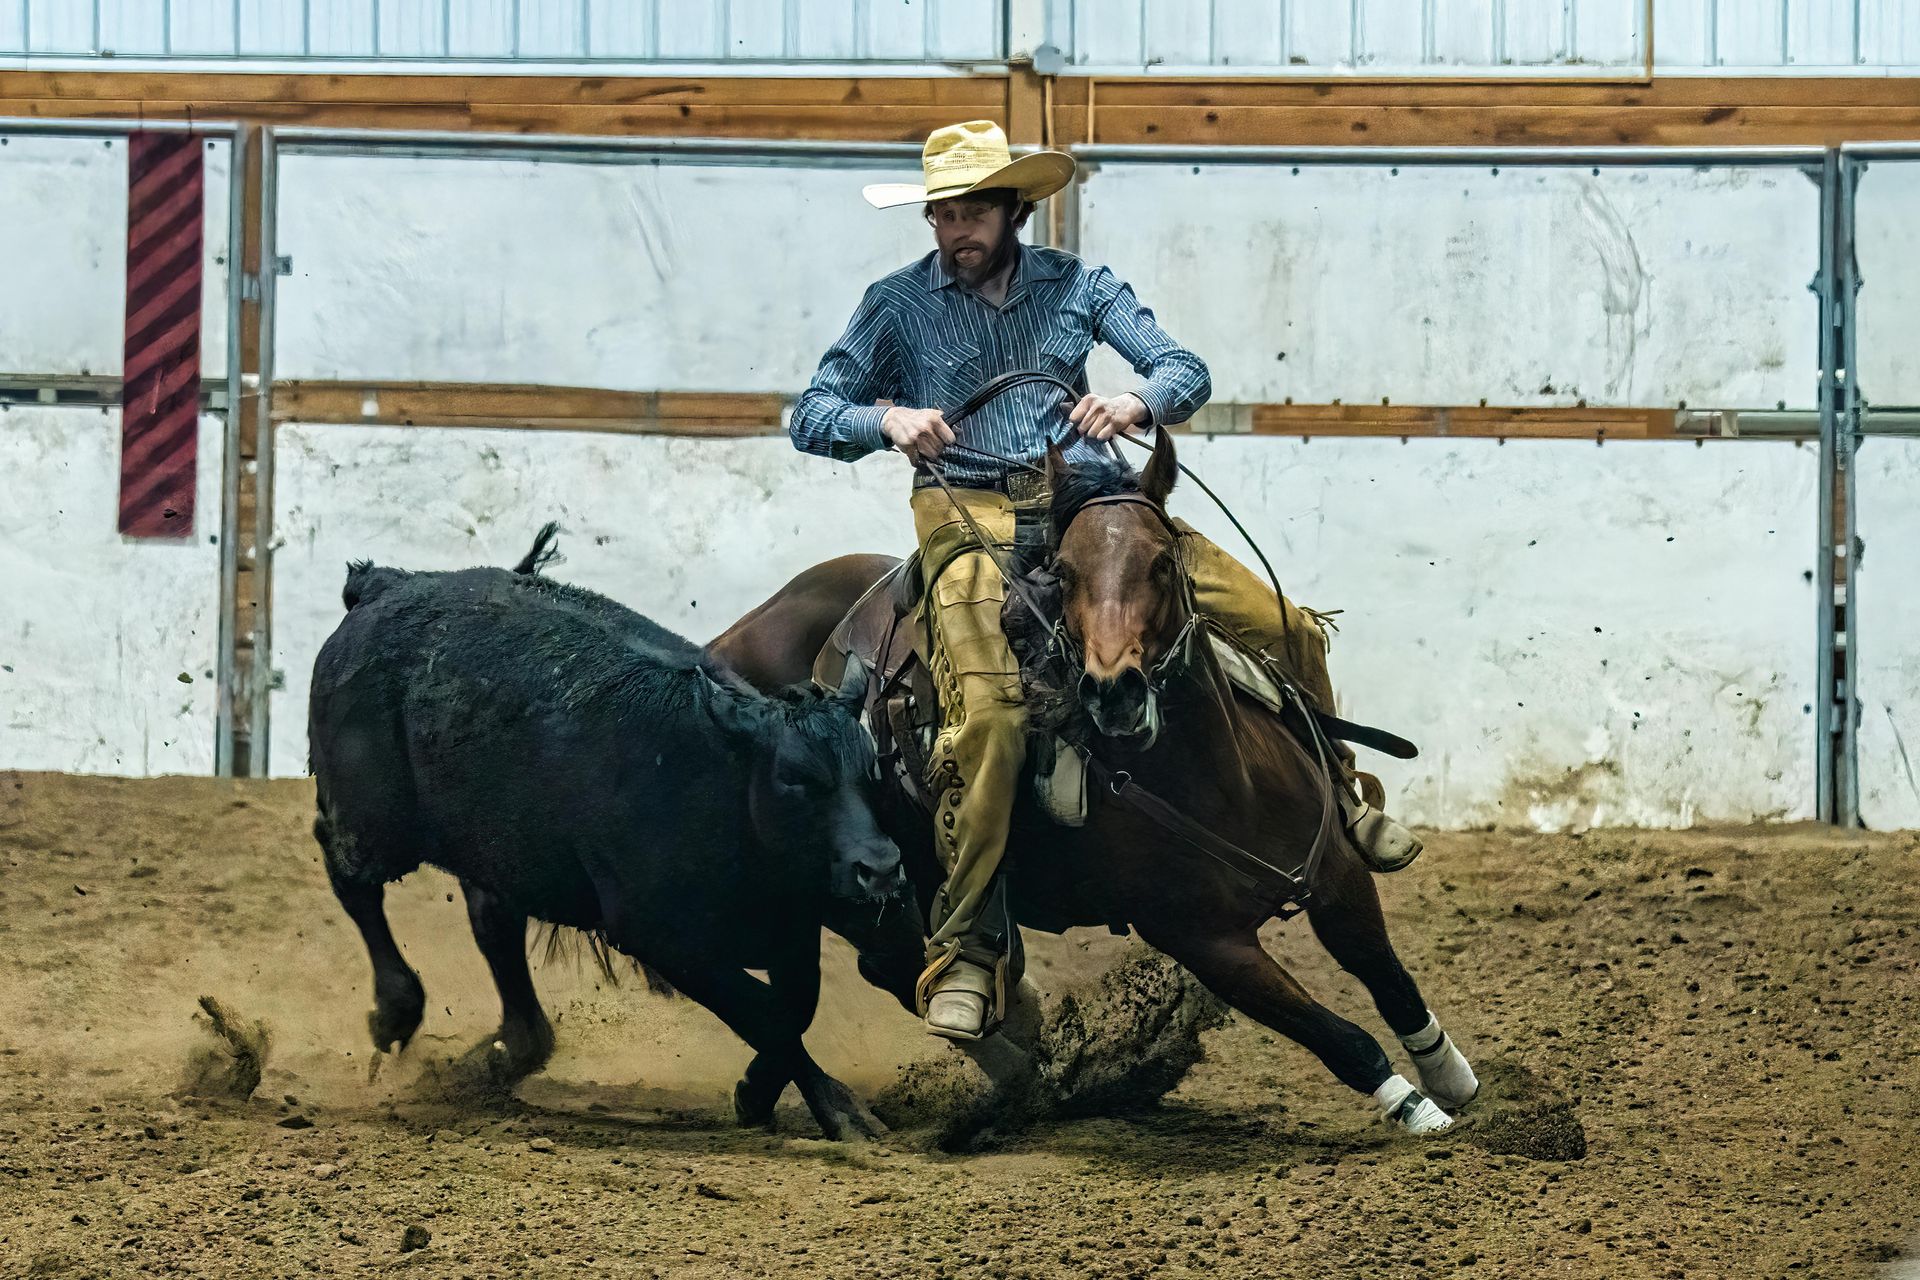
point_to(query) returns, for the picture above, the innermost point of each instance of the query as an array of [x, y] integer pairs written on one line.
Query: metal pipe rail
[[1454, 157], [36, 126], [575, 149]]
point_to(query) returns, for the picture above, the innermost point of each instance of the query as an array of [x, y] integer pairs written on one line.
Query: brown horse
[[1161, 712]]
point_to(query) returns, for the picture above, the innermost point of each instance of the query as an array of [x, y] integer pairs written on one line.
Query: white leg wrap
[[1403, 1105], [1444, 1073]]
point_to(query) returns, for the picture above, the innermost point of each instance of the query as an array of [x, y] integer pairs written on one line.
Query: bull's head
[[814, 791]]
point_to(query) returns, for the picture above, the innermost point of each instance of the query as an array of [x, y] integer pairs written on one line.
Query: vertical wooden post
[[1026, 104], [248, 756]]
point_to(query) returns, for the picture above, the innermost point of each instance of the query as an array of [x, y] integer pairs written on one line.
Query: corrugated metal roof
[[1111, 36], [514, 30], [1453, 36]]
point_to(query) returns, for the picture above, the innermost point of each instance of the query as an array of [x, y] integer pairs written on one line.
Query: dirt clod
[[1542, 1131], [228, 1062]]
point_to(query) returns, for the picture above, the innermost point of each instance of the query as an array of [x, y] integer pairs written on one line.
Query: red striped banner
[[160, 390]]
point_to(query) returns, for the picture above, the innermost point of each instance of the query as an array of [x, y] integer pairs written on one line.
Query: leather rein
[[1257, 872]]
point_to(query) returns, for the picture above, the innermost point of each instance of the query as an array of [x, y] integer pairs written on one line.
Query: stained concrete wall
[[1467, 284], [1437, 286], [1888, 611], [647, 277], [1473, 574], [63, 222], [107, 644], [96, 631], [1574, 635], [1887, 608]]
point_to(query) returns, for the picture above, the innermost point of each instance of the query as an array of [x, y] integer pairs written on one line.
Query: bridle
[[1260, 875], [1179, 651]]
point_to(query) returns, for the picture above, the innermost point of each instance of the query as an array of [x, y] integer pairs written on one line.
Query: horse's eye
[[1162, 566]]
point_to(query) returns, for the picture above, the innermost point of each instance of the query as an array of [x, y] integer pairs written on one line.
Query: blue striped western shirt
[[922, 339]]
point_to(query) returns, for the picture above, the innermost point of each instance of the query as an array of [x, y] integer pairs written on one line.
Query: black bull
[[570, 761]]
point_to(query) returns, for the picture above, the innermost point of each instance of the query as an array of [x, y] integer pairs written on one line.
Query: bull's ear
[[725, 705], [1162, 470], [852, 693]]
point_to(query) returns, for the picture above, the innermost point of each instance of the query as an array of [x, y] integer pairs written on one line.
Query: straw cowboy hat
[[974, 157]]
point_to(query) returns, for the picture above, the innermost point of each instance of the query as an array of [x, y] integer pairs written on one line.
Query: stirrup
[[1385, 844]]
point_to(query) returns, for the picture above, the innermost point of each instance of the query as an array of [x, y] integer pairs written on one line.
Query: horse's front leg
[[1238, 970], [1346, 917]]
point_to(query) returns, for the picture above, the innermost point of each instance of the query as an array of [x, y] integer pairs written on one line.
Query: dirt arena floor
[[1730, 1018]]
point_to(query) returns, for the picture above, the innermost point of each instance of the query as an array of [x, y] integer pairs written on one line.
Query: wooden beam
[[1678, 111], [1483, 422], [692, 413], [1491, 126], [567, 90], [1681, 110], [722, 414], [1674, 91], [884, 108]]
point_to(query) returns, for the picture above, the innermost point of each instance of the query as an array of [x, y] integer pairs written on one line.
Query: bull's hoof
[[398, 1003], [841, 1114], [499, 1063], [529, 1048], [752, 1108], [483, 1075], [393, 1022]]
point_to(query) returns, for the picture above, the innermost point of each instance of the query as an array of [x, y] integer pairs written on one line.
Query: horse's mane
[[1077, 485]]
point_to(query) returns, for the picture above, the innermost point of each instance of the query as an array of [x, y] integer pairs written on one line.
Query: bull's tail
[[552, 942], [366, 580], [544, 552]]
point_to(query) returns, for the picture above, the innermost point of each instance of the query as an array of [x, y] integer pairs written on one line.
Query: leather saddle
[[886, 635]]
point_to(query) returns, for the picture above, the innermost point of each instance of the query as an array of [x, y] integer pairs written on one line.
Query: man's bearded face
[[975, 236]]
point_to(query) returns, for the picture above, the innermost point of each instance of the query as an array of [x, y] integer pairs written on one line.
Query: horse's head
[[1125, 596]]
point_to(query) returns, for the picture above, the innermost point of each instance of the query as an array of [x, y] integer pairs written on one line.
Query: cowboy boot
[[1384, 843], [960, 997]]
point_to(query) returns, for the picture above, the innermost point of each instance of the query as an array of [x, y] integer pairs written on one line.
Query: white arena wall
[[1888, 249], [107, 645], [1574, 634]]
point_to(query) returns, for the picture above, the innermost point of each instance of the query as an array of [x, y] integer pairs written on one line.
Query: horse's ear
[[1162, 470], [1057, 466]]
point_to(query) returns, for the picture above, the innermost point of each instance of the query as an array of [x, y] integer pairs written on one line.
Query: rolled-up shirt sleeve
[[1177, 381], [836, 416]]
